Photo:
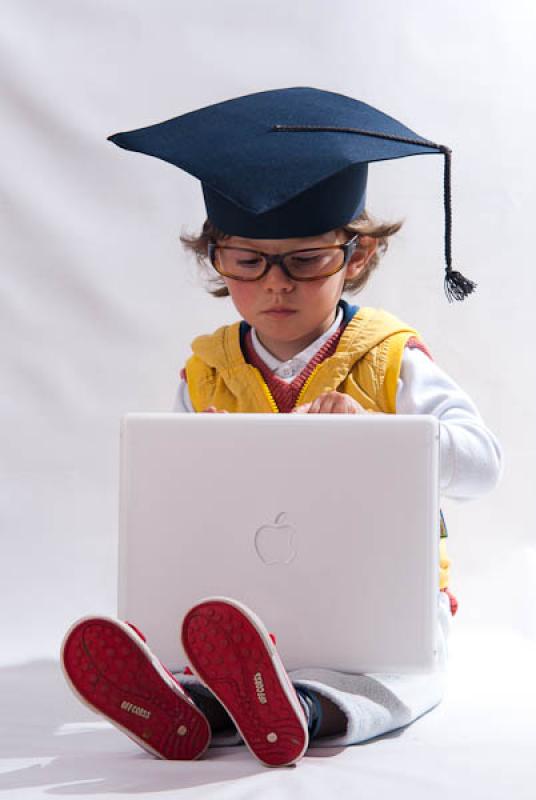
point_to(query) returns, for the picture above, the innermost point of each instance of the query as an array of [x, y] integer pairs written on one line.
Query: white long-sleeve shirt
[[470, 454]]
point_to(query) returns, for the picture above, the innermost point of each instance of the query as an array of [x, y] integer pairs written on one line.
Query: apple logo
[[274, 543]]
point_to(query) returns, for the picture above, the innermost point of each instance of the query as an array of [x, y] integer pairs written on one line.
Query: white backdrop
[[99, 302], [98, 305]]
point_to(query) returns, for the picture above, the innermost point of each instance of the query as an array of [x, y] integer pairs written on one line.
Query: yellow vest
[[365, 365]]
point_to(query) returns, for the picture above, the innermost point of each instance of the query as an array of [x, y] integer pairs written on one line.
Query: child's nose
[[276, 279]]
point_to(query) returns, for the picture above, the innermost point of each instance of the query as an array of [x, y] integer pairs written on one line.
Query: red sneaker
[[231, 652], [110, 668]]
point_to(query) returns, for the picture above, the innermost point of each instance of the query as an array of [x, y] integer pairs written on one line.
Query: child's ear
[[361, 257]]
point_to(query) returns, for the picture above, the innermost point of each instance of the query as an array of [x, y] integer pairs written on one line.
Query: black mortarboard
[[288, 163]]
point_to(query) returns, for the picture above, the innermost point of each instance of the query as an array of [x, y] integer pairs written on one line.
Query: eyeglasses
[[313, 264]]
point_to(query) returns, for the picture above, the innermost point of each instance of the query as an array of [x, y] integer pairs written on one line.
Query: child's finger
[[328, 403], [303, 409], [347, 405], [316, 406], [334, 404], [351, 407]]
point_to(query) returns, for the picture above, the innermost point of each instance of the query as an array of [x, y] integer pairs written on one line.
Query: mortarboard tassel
[[456, 285]]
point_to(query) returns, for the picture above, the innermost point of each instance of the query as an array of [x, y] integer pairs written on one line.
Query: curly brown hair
[[364, 225]]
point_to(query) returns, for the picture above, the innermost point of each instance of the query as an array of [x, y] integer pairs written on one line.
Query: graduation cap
[[288, 163]]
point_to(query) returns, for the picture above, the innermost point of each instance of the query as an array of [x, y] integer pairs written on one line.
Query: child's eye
[[249, 261], [310, 260]]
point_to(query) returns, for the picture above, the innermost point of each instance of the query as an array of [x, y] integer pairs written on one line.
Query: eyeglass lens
[[249, 265]]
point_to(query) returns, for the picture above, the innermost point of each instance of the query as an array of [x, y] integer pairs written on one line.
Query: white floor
[[479, 743]]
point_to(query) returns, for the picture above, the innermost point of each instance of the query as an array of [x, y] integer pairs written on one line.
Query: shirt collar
[[294, 365]]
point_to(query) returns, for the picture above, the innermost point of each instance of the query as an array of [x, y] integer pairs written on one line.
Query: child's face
[[288, 315]]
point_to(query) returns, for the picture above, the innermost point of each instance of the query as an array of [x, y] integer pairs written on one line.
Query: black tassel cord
[[457, 286]]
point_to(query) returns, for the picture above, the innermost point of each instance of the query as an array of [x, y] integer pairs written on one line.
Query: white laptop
[[326, 525]]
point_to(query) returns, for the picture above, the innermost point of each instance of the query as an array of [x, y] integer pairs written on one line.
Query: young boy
[[284, 178]]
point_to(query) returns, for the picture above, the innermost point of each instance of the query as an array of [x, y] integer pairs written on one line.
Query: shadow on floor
[[53, 742]]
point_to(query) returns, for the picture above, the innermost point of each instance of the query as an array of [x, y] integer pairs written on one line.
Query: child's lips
[[280, 312]]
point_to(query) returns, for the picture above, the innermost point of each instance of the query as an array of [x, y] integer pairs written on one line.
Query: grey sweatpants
[[373, 703]]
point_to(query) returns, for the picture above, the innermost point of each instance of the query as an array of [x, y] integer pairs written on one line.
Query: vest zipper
[[271, 400], [305, 386], [267, 392]]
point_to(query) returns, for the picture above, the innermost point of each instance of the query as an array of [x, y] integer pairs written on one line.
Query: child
[[284, 177]]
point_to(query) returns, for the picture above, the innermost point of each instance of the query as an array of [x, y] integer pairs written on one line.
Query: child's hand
[[331, 403], [213, 410]]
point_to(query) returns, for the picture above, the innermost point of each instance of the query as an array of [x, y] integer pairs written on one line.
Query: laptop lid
[[326, 525]]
